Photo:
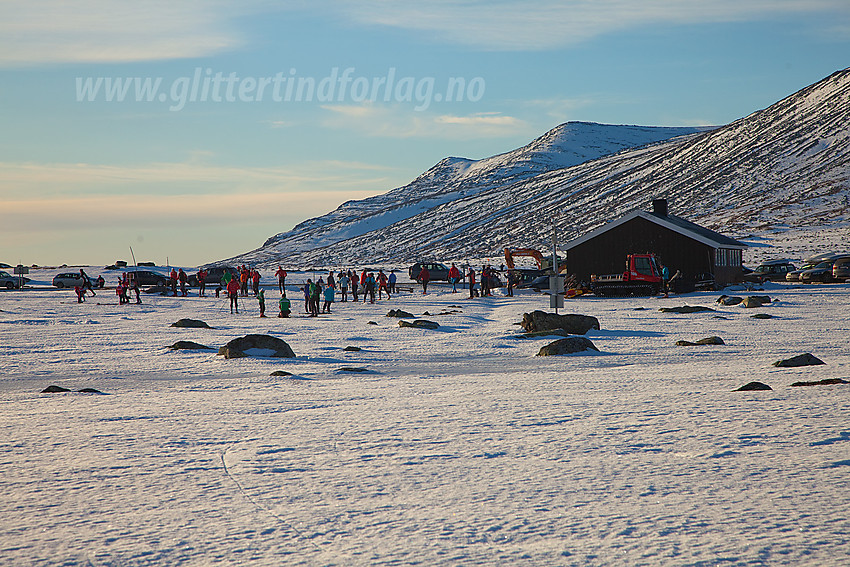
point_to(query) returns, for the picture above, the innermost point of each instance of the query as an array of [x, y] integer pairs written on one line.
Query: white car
[[68, 279], [9, 281]]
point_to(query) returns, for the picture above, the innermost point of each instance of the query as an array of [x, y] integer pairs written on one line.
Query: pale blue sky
[[83, 180]]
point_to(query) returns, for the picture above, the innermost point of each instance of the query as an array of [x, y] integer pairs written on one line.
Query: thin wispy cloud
[[104, 31], [388, 121], [549, 24]]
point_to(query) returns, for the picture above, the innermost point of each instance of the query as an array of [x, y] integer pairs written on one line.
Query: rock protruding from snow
[[400, 313], [419, 324], [571, 323], [806, 359], [753, 386], [188, 345], [191, 324], [705, 341], [756, 301], [256, 345], [569, 345]]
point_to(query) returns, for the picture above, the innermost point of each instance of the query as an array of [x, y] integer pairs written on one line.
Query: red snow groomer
[[642, 277]]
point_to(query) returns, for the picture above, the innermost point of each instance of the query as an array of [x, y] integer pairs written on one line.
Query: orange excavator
[[544, 263]]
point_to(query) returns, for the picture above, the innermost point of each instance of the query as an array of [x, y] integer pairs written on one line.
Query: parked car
[[9, 281], [147, 277], [772, 270], [437, 271], [68, 279], [841, 269], [820, 273], [213, 276], [539, 283], [808, 264]]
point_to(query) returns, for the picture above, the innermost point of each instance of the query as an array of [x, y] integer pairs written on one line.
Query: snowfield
[[455, 446]]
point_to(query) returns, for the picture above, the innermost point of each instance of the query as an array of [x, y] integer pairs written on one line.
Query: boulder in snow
[[806, 359], [256, 345], [568, 345], [573, 324]]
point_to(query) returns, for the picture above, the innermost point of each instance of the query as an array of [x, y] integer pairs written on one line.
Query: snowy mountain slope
[[453, 178], [784, 167]]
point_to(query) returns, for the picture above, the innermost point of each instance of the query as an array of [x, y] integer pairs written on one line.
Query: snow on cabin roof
[[671, 222]]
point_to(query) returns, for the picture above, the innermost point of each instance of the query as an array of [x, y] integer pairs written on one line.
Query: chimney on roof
[[659, 207]]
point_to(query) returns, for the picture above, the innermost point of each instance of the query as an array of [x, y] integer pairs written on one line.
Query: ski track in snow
[[458, 447]]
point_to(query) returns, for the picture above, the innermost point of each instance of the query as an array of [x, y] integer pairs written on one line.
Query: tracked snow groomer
[[642, 277]]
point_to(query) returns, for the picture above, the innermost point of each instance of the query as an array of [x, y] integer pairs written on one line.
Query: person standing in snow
[[382, 284], [281, 279], [172, 281], [233, 294], [343, 285], [86, 282], [370, 288], [306, 290], [181, 276], [392, 280], [454, 277], [352, 277], [424, 277], [665, 280], [261, 297], [255, 277], [471, 276], [329, 298], [202, 282]]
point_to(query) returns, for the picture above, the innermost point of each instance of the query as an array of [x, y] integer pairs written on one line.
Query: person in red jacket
[[382, 284], [233, 294], [454, 277], [424, 277], [281, 280], [471, 276]]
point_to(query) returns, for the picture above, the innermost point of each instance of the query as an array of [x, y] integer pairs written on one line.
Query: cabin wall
[[606, 253]]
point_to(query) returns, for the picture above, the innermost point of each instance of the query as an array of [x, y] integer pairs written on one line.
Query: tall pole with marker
[[556, 281]]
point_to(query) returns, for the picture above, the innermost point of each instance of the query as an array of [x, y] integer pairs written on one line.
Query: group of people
[[367, 284], [488, 279]]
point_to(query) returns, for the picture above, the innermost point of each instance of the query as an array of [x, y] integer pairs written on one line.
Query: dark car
[[820, 273], [213, 275], [147, 277], [436, 270], [841, 269], [808, 264], [772, 270]]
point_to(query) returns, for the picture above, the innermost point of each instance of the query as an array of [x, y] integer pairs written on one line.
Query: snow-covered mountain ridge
[[452, 178], [786, 167]]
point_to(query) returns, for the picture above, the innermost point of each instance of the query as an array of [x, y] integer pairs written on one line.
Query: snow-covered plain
[[458, 446]]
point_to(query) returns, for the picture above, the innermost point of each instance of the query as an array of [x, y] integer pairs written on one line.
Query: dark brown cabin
[[679, 244]]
